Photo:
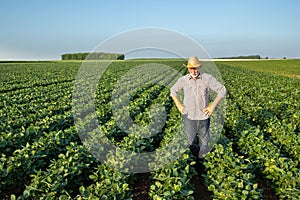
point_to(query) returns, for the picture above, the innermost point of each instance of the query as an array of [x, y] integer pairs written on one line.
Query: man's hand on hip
[[181, 109]]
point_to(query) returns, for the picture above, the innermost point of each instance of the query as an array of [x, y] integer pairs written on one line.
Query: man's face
[[194, 71]]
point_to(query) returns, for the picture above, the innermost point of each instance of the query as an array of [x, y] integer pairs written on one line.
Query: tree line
[[92, 56], [243, 57]]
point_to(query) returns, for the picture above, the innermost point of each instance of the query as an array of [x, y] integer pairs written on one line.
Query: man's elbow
[[223, 92]]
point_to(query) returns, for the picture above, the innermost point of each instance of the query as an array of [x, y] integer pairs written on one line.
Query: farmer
[[195, 108]]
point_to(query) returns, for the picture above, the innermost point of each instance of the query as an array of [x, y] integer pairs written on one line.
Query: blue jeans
[[200, 127]]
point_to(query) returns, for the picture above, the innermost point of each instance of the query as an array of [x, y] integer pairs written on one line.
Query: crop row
[[23, 76], [256, 103]]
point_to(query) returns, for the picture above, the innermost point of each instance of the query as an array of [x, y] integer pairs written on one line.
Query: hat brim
[[192, 66]]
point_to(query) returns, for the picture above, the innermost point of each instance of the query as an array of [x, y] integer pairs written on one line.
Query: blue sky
[[43, 30]]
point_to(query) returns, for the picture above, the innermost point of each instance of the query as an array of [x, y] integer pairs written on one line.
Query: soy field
[[42, 155]]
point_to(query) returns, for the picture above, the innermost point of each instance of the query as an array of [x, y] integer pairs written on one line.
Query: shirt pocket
[[202, 91], [188, 89]]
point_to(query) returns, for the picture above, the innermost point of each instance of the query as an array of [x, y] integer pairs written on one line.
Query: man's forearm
[[176, 100], [179, 105], [211, 107], [216, 101]]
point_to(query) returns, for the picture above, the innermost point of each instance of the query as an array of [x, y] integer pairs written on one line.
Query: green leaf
[[93, 177], [158, 184], [255, 186], [49, 179], [240, 185], [84, 192], [167, 193], [211, 188], [63, 197]]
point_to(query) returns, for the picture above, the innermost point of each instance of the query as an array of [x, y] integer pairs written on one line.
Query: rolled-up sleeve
[[176, 87], [216, 86]]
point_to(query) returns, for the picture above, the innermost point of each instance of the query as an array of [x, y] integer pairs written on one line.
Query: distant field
[[283, 67]]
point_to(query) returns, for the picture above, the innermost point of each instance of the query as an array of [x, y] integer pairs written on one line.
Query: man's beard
[[194, 75]]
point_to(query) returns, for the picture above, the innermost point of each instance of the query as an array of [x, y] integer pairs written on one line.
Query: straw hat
[[193, 62]]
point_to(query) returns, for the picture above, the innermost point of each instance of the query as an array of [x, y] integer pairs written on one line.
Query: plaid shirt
[[196, 93]]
